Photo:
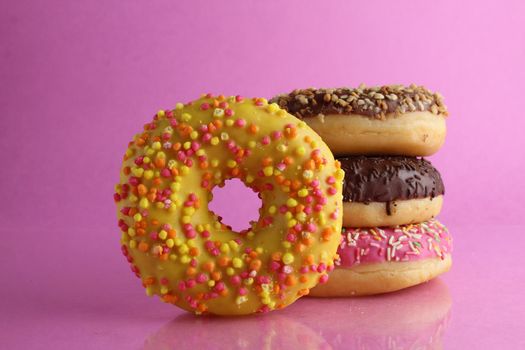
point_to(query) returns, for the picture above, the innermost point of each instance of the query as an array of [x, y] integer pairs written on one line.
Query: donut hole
[[235, 204]]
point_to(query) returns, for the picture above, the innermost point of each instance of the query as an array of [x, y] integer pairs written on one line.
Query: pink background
[[78, 79]]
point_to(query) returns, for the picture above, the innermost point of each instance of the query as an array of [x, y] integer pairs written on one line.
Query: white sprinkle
[[218, 112], [396, 243], [287, 269]]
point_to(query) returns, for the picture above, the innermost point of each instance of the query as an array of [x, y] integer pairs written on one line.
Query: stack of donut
[[391, 195]]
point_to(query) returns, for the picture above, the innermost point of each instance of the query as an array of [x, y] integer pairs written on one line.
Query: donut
[[381, 260], [180, 249], [392, 120], [389, 191]]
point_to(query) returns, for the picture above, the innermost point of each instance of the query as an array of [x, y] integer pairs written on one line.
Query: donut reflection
[[415, 318], [249, 332]]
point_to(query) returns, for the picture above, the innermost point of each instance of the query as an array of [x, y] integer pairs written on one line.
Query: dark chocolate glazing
[[389, 178], [375, 102]]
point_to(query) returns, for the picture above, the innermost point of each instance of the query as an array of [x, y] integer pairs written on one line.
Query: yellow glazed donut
[[179, 248], [393, 119]]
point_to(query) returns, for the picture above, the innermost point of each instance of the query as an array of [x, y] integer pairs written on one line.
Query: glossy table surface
[[69, 302]]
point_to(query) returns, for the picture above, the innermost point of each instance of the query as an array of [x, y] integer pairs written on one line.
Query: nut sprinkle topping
[[374, 102]]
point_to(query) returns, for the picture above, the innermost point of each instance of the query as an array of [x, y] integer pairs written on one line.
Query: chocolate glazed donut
[[389, 191], [391, 119]]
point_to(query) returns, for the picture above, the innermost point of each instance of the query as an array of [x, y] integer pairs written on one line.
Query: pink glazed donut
[[380, 260]]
